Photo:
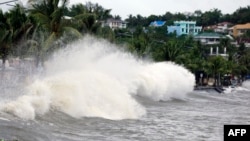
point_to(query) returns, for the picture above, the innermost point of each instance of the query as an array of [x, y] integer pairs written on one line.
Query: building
[[210, 38], [217, 52], [114, 24], [157, 23], [184, 28], [222, 27], [239, 29], [245, 41]]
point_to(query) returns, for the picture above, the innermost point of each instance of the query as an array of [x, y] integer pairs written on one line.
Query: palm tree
[[5, 36], [139, 42], [49, 15], [77, 9], [98, 10], [217, 67], [171, 50], [87, 18], [21, 25], [244, 62], [86, 22]]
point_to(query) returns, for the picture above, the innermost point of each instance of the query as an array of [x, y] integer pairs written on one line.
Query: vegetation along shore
[[212, 45]]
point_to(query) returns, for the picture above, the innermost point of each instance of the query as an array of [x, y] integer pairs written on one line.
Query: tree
[[211, 17], [5, 36], [241, 15], [244, 60], [217, 67], [99, 11], [169, 51], [134, 21], [49, 15], [87, 18], [22, 26], [139, 42], [86, 23], [107, 33], [193, 55]]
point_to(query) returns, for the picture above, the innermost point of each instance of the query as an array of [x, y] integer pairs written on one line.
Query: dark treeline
[[185, 50], [51, 24], [212, 17]]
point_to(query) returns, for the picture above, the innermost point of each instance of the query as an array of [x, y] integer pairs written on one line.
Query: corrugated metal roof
[[157, 23]]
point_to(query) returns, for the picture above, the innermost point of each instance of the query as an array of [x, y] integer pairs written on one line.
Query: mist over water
[[246, 84], [94, 78]]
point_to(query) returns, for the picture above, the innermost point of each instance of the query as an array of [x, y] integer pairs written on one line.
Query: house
[[239, 29], [184, 28], [114, 24], [217, 52], [157, 23], [245, 41], [209, 38], [209, 28], [222, 27]]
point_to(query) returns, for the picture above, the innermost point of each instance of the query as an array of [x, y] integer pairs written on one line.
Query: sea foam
[[94, 78]]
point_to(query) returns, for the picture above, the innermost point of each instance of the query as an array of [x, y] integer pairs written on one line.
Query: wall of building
[[184, 28]]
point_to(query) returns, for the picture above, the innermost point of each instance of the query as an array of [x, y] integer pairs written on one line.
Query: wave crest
[[93, 78]]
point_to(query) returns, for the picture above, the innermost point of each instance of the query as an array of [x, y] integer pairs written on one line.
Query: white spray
[[246, 84], [93, 78]]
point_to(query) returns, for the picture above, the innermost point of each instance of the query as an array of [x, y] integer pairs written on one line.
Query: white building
[[114, 24], [184, 28]]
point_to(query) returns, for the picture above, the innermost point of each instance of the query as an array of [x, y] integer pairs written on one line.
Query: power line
[[8, 2]]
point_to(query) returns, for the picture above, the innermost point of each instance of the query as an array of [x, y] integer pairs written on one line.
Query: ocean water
[[93, 90]]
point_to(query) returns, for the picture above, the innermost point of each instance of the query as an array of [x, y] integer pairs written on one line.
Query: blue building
[[157, 23], [184, 28]]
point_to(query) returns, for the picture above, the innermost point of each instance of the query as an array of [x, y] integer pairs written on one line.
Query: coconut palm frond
[[72, 31]]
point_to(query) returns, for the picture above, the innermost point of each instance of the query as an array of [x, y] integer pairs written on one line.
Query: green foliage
[[106, 33], [50, 25], [244, 61], [85, 22], [241, 15], [15, 27], [216, 64], [211, 17], [168, 51]]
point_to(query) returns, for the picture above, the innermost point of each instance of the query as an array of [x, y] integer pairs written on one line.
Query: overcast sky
[[160, 7]]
